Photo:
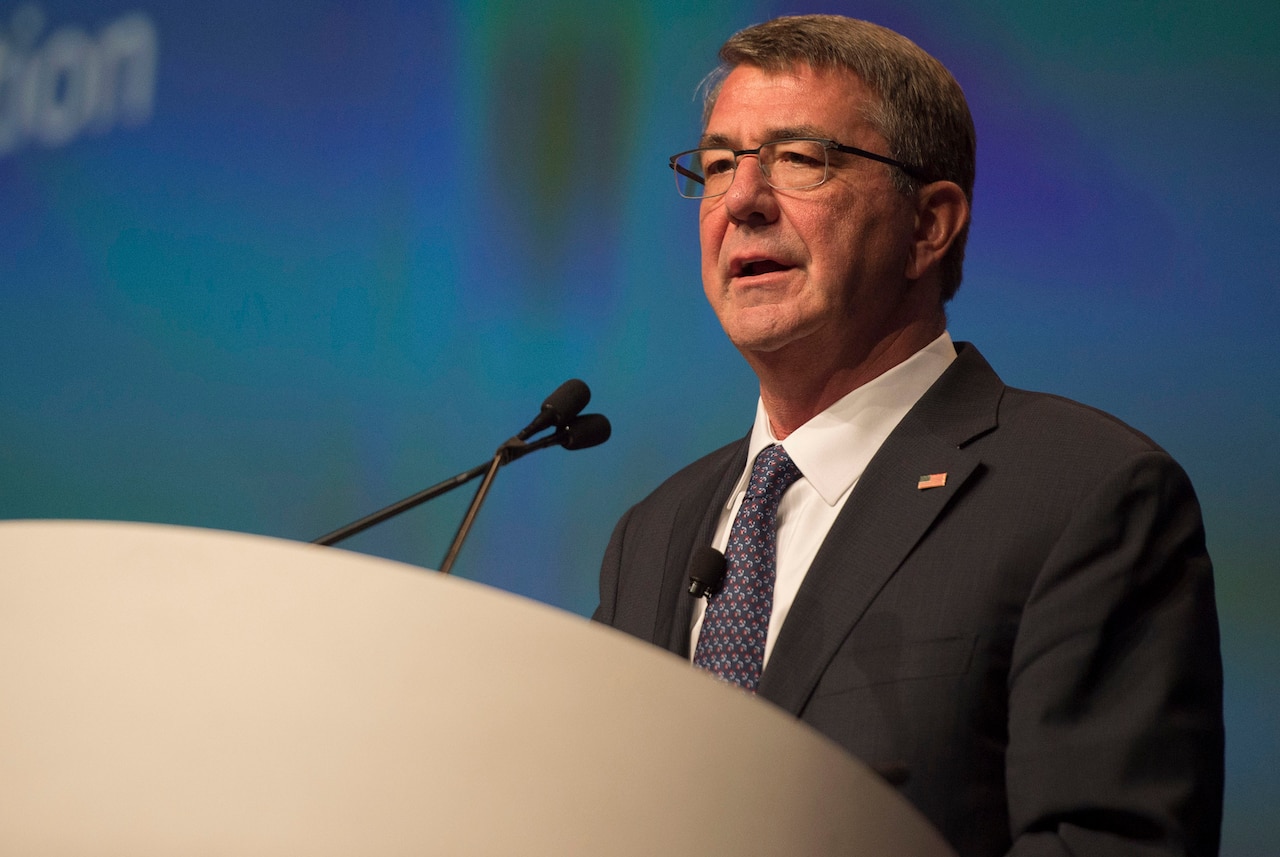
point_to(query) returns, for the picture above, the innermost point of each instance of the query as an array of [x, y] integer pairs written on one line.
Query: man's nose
[[750, 196]]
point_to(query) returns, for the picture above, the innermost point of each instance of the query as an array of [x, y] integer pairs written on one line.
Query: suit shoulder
[[1066, 425], [972, 405]]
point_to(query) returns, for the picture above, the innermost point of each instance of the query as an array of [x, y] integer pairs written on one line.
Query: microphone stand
[[573, 430], [501, 457], [404, 505], [508, 452]]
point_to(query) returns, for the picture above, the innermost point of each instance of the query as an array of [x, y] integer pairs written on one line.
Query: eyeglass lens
[[787, 164]]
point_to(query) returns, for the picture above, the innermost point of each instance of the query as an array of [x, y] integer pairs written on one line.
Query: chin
[[768, 328], [761, 342]]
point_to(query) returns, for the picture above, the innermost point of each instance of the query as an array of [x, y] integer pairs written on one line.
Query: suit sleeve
[[610, 571], [1115, 686]]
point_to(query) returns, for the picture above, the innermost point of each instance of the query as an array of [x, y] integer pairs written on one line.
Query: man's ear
[[941, 213]]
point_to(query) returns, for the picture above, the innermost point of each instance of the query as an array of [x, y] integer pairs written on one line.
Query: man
[[1003, 594]]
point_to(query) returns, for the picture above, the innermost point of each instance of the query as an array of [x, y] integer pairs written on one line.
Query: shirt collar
[[833, 449]]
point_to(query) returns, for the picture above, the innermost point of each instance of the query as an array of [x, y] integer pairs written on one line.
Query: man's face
[[821, 270]]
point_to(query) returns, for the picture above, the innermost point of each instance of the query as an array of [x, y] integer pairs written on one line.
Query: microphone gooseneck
[[561, 409], [573, 432]]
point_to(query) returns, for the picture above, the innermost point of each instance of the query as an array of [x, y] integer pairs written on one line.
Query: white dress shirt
[[832, 450]]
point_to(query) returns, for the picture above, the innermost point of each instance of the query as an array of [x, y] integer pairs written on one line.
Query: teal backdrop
[[268, 266]]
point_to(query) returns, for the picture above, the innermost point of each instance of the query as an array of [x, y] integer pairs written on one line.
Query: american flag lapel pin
[[932, 480]]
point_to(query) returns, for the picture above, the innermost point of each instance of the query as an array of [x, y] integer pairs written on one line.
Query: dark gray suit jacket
[[1036, 642]]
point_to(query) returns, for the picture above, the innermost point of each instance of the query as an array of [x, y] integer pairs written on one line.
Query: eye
[[798, 154], [717, 162]]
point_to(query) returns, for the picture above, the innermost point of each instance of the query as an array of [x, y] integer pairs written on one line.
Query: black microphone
[[581, 432], [706, 572], [585, 431], [573, 432], [564, 404]]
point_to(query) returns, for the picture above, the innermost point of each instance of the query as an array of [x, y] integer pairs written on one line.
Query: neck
[[795, 388]]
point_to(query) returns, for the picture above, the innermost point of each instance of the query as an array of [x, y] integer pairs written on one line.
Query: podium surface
[[169, 690]]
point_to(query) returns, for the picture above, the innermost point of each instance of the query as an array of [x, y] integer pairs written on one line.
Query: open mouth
[[761, 266]]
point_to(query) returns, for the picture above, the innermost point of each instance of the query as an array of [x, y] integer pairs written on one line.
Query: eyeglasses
[[793, 164]]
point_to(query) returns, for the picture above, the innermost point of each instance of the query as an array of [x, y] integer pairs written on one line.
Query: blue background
[[352, 246]]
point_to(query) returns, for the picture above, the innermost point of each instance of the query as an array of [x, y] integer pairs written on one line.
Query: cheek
[[711, 232], [848, 241], [711, 227]]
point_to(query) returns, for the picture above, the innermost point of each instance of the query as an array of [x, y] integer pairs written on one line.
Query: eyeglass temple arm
[[915, 172], [686, 173]]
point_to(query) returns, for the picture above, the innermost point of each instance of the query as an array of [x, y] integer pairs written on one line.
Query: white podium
[[174, 691]]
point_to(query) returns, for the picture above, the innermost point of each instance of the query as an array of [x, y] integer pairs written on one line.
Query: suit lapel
[[884, 518], [694, 525]]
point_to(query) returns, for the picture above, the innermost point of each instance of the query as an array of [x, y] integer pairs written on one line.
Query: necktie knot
[[772, 474]]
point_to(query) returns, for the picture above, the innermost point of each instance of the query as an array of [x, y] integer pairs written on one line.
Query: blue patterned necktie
[[731, 643]]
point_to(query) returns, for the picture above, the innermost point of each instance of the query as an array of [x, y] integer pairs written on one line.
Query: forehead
[[755, 105]]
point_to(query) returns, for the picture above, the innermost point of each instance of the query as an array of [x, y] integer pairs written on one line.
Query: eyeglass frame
[[828, 145]]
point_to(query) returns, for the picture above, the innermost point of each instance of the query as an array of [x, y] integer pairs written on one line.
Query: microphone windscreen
[[567, 401], [706, 571], [585, 431], [561, 406]]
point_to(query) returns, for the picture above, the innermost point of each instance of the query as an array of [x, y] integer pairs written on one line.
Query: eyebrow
[[724, 141]]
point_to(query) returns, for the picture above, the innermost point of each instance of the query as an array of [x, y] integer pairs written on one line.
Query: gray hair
[[921, 110]]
